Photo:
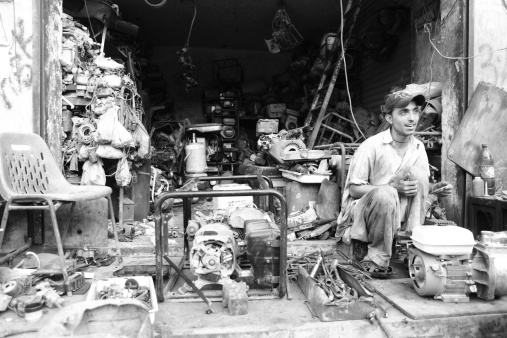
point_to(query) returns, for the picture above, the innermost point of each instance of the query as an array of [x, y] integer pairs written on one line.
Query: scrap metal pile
[[103, 112]]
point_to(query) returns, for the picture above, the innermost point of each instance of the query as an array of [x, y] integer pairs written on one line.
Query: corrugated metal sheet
[[379, 77]]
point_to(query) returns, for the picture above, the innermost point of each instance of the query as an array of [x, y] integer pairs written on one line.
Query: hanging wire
[[345, 70], [90, 21], [187, 44], [159, 5]]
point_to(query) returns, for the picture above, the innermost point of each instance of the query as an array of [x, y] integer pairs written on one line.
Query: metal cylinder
[[195, 158]]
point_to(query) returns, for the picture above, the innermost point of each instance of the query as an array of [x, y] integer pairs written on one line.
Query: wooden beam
[[428, 65]]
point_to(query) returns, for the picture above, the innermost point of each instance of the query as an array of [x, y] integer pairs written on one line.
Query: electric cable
[[90, 22], [461, 57], [345, 70], [159, 5], [187, 44]]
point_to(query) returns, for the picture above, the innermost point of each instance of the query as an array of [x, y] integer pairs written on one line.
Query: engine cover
[[447, 278], [263, 251]]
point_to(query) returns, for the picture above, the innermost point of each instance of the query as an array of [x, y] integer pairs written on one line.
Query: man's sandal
[[375, 270]]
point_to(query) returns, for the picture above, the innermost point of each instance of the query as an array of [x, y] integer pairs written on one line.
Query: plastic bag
[[121, 136], [430, 90], [105, 126], [93, 173], [122, 175], [107, 151], [142, 139], [83, 152]]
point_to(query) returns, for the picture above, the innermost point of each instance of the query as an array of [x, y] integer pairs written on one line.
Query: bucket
[[195, 161]]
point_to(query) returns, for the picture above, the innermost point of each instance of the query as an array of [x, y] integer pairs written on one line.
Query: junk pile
[[103, 113]]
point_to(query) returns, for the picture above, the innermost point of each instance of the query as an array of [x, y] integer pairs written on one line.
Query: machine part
[[75, 282], [195, 158], [85, 133], [281, 148], [213, 254], [263, 251], [228, 132], [448, 279], [12, 288], [161, 249], [192, 228], [234, 297], [489, 265]]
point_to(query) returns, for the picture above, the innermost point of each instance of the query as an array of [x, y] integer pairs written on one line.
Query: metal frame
[[161, 230]]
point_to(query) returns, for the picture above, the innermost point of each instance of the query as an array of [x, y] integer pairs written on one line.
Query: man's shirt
[[375, 162]]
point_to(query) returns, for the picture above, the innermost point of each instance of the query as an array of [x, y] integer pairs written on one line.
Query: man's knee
[[385, 196]]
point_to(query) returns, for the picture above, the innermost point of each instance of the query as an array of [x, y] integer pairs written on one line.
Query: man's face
[[404, 120]]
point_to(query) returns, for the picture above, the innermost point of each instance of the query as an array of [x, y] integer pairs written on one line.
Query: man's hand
[[442, 189], [405, 188]]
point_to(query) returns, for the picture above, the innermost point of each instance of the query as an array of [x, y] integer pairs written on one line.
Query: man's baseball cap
[[401, 99]]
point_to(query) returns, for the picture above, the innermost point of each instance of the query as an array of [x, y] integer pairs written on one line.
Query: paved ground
[[275, 317]]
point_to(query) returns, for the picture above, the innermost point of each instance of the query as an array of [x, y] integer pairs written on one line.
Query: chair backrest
[[27, 166]]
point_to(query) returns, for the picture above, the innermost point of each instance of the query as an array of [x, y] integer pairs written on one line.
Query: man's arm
[[404, 188]]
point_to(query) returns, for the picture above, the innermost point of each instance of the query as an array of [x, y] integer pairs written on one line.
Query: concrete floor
[[275, 317]]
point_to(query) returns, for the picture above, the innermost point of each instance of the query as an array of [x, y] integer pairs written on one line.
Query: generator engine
[[213, 254], [241, 245], [440, 262]]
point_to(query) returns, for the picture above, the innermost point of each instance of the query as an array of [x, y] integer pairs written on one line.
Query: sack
[[93, 173], [105, 126], [430, 90], [122, 175], [83, 152], [142, 139], [107, 151], [121, 136]]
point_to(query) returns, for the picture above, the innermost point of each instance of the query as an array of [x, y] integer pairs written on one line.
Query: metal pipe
[[160, 237], [331, 145], [13, 254]]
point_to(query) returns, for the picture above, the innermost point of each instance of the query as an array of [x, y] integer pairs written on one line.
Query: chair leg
[[115, 229], [66, 229], [59, 245], [5, 217]]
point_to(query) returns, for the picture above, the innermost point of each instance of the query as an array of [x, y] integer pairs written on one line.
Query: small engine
[[234, 246]]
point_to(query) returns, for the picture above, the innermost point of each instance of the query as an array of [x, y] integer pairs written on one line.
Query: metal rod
[[188, 281], [174, 278], [159, 236], [13, 254], [115, 229], [59, 245]]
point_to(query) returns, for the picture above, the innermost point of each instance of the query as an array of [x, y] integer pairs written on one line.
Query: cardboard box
[[98, 285], [232, 202]]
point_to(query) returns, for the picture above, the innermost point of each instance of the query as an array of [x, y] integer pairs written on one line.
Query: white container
[[443, 240], [195, 154], [231, 202], [146, 281], [266, 126], [304, 178]]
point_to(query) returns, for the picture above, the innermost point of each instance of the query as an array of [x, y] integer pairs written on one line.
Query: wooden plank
[[401, 294], [451, 41], [484, 122], [51, 86]]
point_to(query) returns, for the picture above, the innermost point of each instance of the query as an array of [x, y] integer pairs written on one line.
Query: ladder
[[326, 87]]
